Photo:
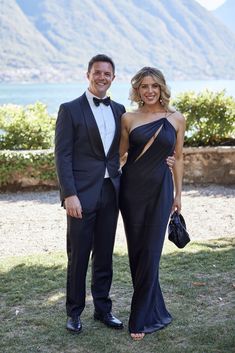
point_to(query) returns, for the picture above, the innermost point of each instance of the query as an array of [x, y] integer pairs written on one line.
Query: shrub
[[26, 128], [210, 117], [37, 167]]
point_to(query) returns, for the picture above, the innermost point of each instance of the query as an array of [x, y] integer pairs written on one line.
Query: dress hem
[[152, 329]]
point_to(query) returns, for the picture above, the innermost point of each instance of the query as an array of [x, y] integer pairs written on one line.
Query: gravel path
[[34, 222]]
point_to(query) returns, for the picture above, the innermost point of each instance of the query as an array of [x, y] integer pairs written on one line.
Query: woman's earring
[[140, 102], [161, 101]]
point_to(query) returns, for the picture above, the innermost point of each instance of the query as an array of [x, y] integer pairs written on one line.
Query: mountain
[[53, 40], [226, 13], [20, 40]]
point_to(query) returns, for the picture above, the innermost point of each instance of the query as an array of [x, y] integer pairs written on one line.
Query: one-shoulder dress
[[146, 199]]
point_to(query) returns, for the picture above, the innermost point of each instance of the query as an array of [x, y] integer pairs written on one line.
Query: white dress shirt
[[105, 121]]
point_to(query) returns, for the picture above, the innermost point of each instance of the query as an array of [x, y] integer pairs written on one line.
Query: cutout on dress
[[149, 143]]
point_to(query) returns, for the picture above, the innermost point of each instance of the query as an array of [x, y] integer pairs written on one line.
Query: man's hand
[[73, 206], [170, 161]]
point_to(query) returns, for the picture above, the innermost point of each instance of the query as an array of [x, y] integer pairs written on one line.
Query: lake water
[[55, 94]]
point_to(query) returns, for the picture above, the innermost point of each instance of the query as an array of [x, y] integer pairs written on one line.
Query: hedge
[[210, 118], [210, 121], [18, 168], [26, 128]]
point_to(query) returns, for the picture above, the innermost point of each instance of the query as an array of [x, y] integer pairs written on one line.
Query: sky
[[211, 4]]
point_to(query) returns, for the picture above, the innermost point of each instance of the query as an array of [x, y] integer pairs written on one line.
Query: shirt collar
[[90, 95]]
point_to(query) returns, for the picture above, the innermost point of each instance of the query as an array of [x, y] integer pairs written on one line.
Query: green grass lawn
[[198, 285]]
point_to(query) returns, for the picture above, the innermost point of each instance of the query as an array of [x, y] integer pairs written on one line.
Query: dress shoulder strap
[[168, 114]]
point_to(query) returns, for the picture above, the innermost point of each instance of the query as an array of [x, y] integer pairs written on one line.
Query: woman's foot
[[137, 336]]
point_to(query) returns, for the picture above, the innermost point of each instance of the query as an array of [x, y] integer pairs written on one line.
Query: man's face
[[100, 77]]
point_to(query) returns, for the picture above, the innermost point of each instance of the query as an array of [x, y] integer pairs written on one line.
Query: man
[[87, 161]]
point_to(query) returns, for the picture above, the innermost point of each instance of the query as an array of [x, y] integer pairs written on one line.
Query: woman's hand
[[176, 204], [171, 161]]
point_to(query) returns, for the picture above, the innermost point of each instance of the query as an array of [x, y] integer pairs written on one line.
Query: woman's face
[[149, 90]]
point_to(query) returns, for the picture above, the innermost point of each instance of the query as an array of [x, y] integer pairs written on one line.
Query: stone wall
[[209, 165], [202, 165]]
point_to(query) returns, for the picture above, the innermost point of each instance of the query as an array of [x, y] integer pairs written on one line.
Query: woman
[[149, 135]]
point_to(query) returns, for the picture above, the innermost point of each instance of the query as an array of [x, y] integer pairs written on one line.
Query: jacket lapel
[[93, 131], [92, 128], [116, 137]]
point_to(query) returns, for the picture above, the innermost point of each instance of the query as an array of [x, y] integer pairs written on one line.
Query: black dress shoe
[[74, 324], [109, 320]]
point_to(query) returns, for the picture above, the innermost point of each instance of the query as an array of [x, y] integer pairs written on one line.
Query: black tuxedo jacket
[[79, 153]]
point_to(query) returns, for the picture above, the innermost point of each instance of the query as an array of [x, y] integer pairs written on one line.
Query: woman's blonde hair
[[158, 76]]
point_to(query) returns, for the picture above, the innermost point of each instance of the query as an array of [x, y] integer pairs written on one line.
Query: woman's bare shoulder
[[128, 117], [178, 116]]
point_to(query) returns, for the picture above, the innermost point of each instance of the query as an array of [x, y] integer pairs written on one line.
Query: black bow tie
[[105, 101]]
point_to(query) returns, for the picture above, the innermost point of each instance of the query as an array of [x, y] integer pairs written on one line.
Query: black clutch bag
[[177, 232]]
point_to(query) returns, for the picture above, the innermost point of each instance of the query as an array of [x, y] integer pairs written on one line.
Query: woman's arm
[[124, 142], [178, 166]]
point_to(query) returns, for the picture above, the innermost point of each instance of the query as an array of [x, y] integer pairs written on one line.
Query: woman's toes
[[137, 336]]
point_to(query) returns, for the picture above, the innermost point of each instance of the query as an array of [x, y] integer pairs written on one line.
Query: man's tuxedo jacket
[[79, 153]]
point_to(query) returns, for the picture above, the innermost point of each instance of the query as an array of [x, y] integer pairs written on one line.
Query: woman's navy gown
[[146, 200]]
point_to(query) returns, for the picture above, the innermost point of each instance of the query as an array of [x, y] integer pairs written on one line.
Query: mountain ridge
[[225, 13], [56, 39]]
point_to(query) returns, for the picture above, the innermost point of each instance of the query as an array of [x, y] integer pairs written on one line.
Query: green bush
[[210, 118], [26, 128], [210, 121], [36, 166]]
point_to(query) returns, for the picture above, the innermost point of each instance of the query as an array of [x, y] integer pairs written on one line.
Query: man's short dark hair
[[100, 57]]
